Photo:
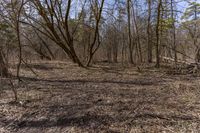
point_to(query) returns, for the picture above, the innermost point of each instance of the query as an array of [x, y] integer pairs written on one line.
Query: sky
[[182, 6]]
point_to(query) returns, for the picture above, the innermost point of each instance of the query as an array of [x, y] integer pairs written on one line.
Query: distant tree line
[[87, 31]]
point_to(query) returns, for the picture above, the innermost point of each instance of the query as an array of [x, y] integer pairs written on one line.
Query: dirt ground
[[105, 98]]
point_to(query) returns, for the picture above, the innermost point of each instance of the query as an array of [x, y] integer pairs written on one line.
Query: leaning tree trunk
[[3, 67]]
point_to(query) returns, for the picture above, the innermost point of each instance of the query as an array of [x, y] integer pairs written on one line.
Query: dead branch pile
[[182, 67]]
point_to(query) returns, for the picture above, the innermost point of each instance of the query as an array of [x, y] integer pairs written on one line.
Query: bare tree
[[56, 25], [97, 11]]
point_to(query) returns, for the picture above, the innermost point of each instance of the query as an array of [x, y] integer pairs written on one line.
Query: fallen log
[[187, 67], [168, 59]]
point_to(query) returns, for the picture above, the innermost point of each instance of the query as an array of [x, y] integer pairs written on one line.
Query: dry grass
[[105, 98]]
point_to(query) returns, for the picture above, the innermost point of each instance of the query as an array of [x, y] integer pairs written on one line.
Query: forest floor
[[104, 98]]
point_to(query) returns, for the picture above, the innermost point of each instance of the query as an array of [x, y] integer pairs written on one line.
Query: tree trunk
[[197, 56], [173, 32], [149, 43], [115, 50], [20, 51], [3, 67], [137, 34], [129, 33], [72, 54], [158, 34]]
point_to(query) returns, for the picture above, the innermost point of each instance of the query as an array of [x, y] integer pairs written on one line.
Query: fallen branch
[[30, 68]]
